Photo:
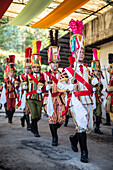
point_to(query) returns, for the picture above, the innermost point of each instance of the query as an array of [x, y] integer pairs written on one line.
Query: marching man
[[109, 104], [23, 86], [54, 101], [10, 86], [97, 88], [35, 97], [76, 82]]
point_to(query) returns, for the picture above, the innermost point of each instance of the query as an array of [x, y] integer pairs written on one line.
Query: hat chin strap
[[79, 61]]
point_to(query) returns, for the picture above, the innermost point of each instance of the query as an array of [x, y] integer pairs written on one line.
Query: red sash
[[33, 78], [98, 97], [79, 78], [25, 78], [54, 94], [12, 84], [53, 78], [31, 92], [78, 93]]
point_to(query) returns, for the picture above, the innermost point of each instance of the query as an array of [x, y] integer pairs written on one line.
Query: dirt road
[[20, 150]]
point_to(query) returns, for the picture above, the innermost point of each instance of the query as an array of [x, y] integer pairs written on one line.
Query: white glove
[[94, 89], [3, 85], [24, 86], [20, 88], [102, 97], [38, 91], [71, 87], [94, 81], [48, 87]]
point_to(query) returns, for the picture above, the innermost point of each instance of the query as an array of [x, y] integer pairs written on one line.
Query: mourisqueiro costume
[[76, 82], [11, 87], [23, 89], [35, 97], [53, 99], [109, 105], [97, 89], [3, 91], [5, 76]]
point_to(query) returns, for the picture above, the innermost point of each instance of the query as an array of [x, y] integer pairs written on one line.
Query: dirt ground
[[20, 150]]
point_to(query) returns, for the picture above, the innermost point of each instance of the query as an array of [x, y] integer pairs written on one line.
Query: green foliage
[[14, 39]]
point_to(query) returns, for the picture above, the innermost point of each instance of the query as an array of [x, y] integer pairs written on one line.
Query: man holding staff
[[76, 82]]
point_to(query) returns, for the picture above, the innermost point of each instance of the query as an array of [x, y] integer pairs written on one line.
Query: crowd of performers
[[75, 91]]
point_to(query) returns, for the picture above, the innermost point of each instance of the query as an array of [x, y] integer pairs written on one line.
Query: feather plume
[[95, 53], [28, 52], [56, 38], [38, 44], [51, 38]]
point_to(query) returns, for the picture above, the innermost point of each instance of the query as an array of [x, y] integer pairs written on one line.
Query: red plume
[[38, 44], [28, 52], [11, 58]]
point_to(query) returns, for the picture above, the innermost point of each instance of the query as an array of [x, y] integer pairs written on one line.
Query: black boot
[[74, 142], [32, 126], [58, 125], [107, 120], [53, 130], [23, 120], [83, 146], [97, 129], [9, 116], [66, 120], [12, 113], [6, 111], [28, 123], [36, 133]]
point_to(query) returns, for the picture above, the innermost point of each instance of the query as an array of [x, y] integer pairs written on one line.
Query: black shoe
[[22, 121], [53, 129], [97, 130], [10, 116], [37, 134], [66, 121], [73, 143], [54, 141], [65, 124], [82, 137], [9, 121], [107, 120], [28, 122], [84, 157], [29, 128]]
